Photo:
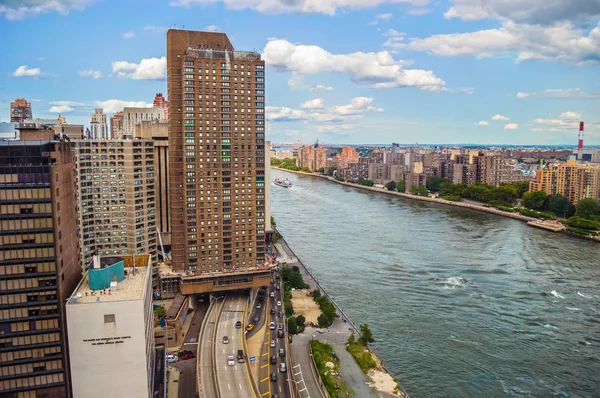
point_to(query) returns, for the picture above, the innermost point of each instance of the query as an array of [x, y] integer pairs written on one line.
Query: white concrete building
[[98, 127], [110, 327], [133, 116]]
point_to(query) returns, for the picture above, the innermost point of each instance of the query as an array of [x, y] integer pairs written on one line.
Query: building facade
[[39, 263], [572, 180], [161, 102], [216, 153], [133, 116], [116, 191], [20, 111], [116, 126], [111, 330], [313, 157], [98, 126]]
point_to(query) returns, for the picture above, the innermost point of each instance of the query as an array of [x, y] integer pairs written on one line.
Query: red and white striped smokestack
[[580, 144]]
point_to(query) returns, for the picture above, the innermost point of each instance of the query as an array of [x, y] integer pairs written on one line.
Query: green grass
[[361, 355], [335, 386]]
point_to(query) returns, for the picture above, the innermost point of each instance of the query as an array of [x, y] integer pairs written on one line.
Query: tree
[[505, 194], [391, 185], [583, 223], [316, 294], [300, 321], [434, 183], [534, 200], [288, 308], [292, 326], [331, 170], [366, 336], [401, 187], [323, 321], [414, 189], [560, 205], [160, 312], [273, 223], [588, 208]]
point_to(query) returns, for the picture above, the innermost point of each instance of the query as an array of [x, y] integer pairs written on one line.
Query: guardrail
[[255, 390], [201, 336], [212, 350], [293, 386]]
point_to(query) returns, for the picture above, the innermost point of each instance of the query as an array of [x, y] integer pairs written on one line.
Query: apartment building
[[98, 126], [572, 180], [116, 125], [40, 265], [216, 154], [133, 116], [161, 102], [116, 197], [20, 110], [313, 157]]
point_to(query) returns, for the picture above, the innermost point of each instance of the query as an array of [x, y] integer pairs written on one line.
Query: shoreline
[[490, 210], [374, 374]]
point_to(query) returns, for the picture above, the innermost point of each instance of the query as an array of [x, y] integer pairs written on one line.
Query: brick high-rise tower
[[216, 153]]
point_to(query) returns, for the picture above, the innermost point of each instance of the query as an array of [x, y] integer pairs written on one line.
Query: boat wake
[[556, 294]]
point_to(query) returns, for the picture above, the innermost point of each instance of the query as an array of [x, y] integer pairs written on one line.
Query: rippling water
[[462, 303]]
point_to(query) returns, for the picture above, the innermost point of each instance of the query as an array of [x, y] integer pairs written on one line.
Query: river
[[461, 303]]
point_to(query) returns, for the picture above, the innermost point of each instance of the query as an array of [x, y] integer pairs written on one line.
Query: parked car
[[238, 324], [273, 376], [272, 343], [172, 358], [250, 327], [279, 303], [225, 340], [187, 355], [272, 325], [183, 352], [273, 360], [281, 352], [230, 360], [282, 367], [280, 326], [280, 334]]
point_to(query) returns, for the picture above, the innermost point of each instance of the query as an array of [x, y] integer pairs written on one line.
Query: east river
[[462, 303]]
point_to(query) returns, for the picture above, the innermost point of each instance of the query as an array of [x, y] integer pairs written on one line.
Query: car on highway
[[250, 327], [272, 281], [261, 297], [280, 326], [272, 311], [273, 360], [241, 358], [273, 376], [280, 314], [272, 294], [277, 276], [279, 303], [225, 340], [280, 334], [172, 358], [238, 324], [230, 360], [282, 367], [272, 343], [277, 287], [281, 352], [258, 306], [272, 325], [256, 318]]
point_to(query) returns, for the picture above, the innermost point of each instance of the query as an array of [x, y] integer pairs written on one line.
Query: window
[[109, 318]]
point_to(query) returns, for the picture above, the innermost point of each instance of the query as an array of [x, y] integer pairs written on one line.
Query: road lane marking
[[240, 386], [264, 366], [267, 393], [228, 386], [266, 353], [265, 379]]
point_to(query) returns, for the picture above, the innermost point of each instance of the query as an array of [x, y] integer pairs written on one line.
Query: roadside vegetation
[[292, 279], [328, 366], [328, 312], [288, 164], [358, 348]]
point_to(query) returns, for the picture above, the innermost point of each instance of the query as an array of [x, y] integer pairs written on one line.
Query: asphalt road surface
[[205, 361], [233, 381]]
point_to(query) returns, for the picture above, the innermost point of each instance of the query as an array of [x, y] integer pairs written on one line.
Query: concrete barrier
[[198, 380]]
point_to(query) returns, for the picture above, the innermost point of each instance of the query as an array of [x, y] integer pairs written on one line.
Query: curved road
[[205, 360], [233, 381]]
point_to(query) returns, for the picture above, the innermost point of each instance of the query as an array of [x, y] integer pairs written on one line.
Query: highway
[[205, 360], [233, 381], [267, 387]]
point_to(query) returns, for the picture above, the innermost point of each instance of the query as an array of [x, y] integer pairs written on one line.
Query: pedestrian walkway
[[173, 382]]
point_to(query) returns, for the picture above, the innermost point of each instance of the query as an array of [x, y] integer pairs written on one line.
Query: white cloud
[[529, 11], [128, 35], [315, 111], [66, 103], [115, 105], [562, 41], [329, 7], [419, 11], [23, 71], [500, 117], [377, 70], [295, 81], [559, 93], [566, 122], [316, 103], [147, 69], [94, 74], [385, 17], [511, 126], [320, 87], [483, 123], [61, 109], [211, 28], [41, 58], [394, 33], [13, 10]]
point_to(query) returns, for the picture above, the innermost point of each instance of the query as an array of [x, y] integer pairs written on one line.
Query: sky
[[340, 71]]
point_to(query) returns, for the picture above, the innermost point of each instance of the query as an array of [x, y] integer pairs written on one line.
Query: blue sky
[[341, 71]]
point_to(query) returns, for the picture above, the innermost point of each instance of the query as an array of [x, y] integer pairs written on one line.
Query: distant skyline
[[518, 72]]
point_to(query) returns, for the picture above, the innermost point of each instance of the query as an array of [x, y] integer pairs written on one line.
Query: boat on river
[[283, 183]]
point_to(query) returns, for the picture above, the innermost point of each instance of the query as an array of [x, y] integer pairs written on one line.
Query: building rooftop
[[131, 288]]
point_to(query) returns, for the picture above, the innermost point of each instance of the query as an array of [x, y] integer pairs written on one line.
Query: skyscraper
[[98, 127], [39, 262], [216, 153], [20, 110], [116, 126]]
